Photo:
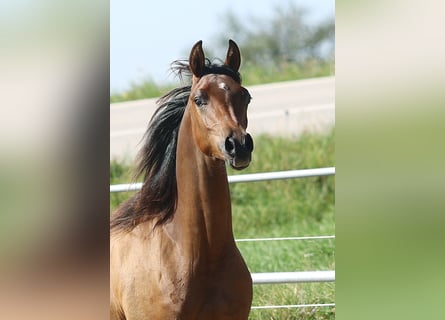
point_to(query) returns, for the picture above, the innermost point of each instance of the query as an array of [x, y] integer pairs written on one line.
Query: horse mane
[[156, 161]]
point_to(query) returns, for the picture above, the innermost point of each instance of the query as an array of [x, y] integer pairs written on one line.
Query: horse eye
[[199, 101], [247, 96]]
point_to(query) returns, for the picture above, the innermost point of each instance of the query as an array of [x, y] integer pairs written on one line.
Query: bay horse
[[172, 250]]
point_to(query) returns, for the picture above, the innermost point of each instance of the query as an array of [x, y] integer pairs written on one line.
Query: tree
[[284, 38]]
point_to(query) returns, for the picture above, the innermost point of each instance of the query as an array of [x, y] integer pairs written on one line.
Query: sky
[[146, 36]]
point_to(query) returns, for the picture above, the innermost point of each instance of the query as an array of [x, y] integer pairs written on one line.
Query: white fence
[[273, 277], [253, 177], [293, 277]]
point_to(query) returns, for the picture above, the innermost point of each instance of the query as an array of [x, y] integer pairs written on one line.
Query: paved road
[[284, 108]]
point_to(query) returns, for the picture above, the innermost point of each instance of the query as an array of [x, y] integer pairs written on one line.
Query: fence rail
[[293, 277], [285, 238], [314, 305], [252, 177]]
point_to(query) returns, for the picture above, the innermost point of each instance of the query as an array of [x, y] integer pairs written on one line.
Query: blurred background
[[145, 38]]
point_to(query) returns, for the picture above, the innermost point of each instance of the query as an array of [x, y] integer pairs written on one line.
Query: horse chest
[[214, 300], [218, 294]]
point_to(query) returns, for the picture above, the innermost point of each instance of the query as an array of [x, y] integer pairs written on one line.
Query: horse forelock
[[181, 68]]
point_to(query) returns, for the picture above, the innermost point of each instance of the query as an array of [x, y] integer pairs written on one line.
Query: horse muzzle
[[239, 151]]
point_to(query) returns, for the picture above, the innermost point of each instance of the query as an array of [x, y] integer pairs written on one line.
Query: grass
[[286, 71], [297, 207], [143, 89]]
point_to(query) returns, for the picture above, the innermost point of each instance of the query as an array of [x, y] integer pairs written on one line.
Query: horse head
[[219, 108]]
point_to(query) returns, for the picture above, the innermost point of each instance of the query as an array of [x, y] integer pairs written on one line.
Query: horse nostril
[[248, 142], [230, 145]]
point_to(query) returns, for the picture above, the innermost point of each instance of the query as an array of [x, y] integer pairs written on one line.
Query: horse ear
[[197, 59], [233, 59]]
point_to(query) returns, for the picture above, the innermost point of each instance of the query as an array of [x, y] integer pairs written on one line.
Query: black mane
[[157, 157]]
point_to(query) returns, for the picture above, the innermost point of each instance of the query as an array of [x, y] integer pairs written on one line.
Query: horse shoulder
[[141, 284]]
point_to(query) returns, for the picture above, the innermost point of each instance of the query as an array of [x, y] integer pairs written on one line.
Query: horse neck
[[203, 217]]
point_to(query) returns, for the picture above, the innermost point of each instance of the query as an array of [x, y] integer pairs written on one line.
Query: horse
[[172, 249]]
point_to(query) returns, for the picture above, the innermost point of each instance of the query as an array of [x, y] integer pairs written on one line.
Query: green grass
[[143, 89], [254, 74], [297, 207]]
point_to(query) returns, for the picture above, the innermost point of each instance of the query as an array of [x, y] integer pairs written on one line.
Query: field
[[297, 207]]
